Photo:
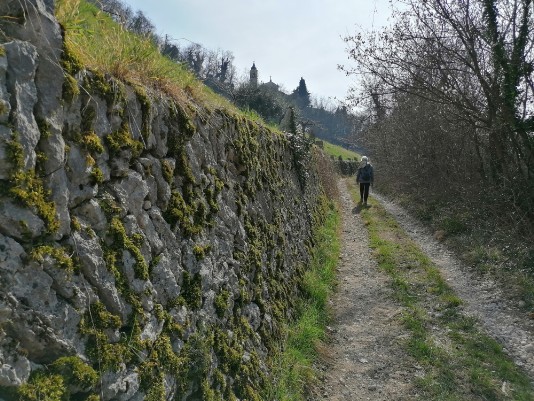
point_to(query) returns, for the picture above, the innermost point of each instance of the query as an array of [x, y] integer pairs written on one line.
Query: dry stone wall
[[149, 249]]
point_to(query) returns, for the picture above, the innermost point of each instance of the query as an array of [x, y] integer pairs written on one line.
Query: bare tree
[[474, 55], [473, 60]]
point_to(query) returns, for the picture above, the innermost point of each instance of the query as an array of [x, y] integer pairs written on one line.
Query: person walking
[[364, 177]]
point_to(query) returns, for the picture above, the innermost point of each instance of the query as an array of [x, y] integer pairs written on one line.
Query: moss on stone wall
[[121, 241], [70, 89], [122, 140], [192, 290], [54, 382], [59, 254], [26, 187], [206, 347], [144, 101]]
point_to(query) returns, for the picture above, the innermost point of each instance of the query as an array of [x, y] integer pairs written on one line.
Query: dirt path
[[366, 360]]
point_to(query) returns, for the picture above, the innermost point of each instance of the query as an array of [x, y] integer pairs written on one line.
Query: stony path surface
[[366, 360]]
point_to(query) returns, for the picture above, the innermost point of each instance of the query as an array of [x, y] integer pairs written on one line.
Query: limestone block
[[120, 163], [100, 124], [189, 260], [5, 106], [164, 279], [22, 64], [160, 132], [59, 194], [132, 227], [11, 254], [19, 222], [91, 212], [14, 369], [33, 289], [133, 113], [34, 333], [32, 285], [6, 166], [94, 269], [78, 173], [131, 192], [42, 30], [121, 386], [194, 163], [253, 314], [170, 242], [163, 187], [152, 329], [147, 226], [137, 285]]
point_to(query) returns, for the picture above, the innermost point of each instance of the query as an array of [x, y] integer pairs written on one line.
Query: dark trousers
[[364, 190]]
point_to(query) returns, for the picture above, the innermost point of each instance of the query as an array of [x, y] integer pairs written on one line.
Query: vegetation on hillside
[[450, 88], [338, 152], [94, 40]]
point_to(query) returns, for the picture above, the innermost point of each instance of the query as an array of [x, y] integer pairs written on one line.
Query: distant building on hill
[[270, 85], [254, 75], [254, 80]]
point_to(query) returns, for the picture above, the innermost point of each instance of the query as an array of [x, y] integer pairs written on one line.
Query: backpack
[[365, 173]]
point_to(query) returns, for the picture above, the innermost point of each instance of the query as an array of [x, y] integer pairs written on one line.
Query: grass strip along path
[[459, 361], [294, 366]]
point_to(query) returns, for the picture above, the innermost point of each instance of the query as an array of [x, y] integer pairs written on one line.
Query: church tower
[[254, 75]]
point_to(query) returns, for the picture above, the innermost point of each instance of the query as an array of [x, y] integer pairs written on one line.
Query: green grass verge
[[458, 360], [336, 151], [293, 367]]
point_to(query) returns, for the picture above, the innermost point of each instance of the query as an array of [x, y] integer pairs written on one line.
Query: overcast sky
[[286, 39]]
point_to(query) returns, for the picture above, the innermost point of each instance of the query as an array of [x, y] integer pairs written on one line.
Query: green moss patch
[[124, 242], [92, 142], [43, 387], [59, 254], [123, 140], [27, 188], [192, 290], [53, 384], [70, 88]]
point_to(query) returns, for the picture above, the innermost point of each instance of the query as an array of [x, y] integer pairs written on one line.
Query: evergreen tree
[[292, 122], [301, 94], [289, 122]]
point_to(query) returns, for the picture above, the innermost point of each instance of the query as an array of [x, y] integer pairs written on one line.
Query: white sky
[[286, 39]]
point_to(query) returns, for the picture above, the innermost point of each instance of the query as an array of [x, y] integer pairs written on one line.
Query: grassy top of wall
[[93, 40]]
